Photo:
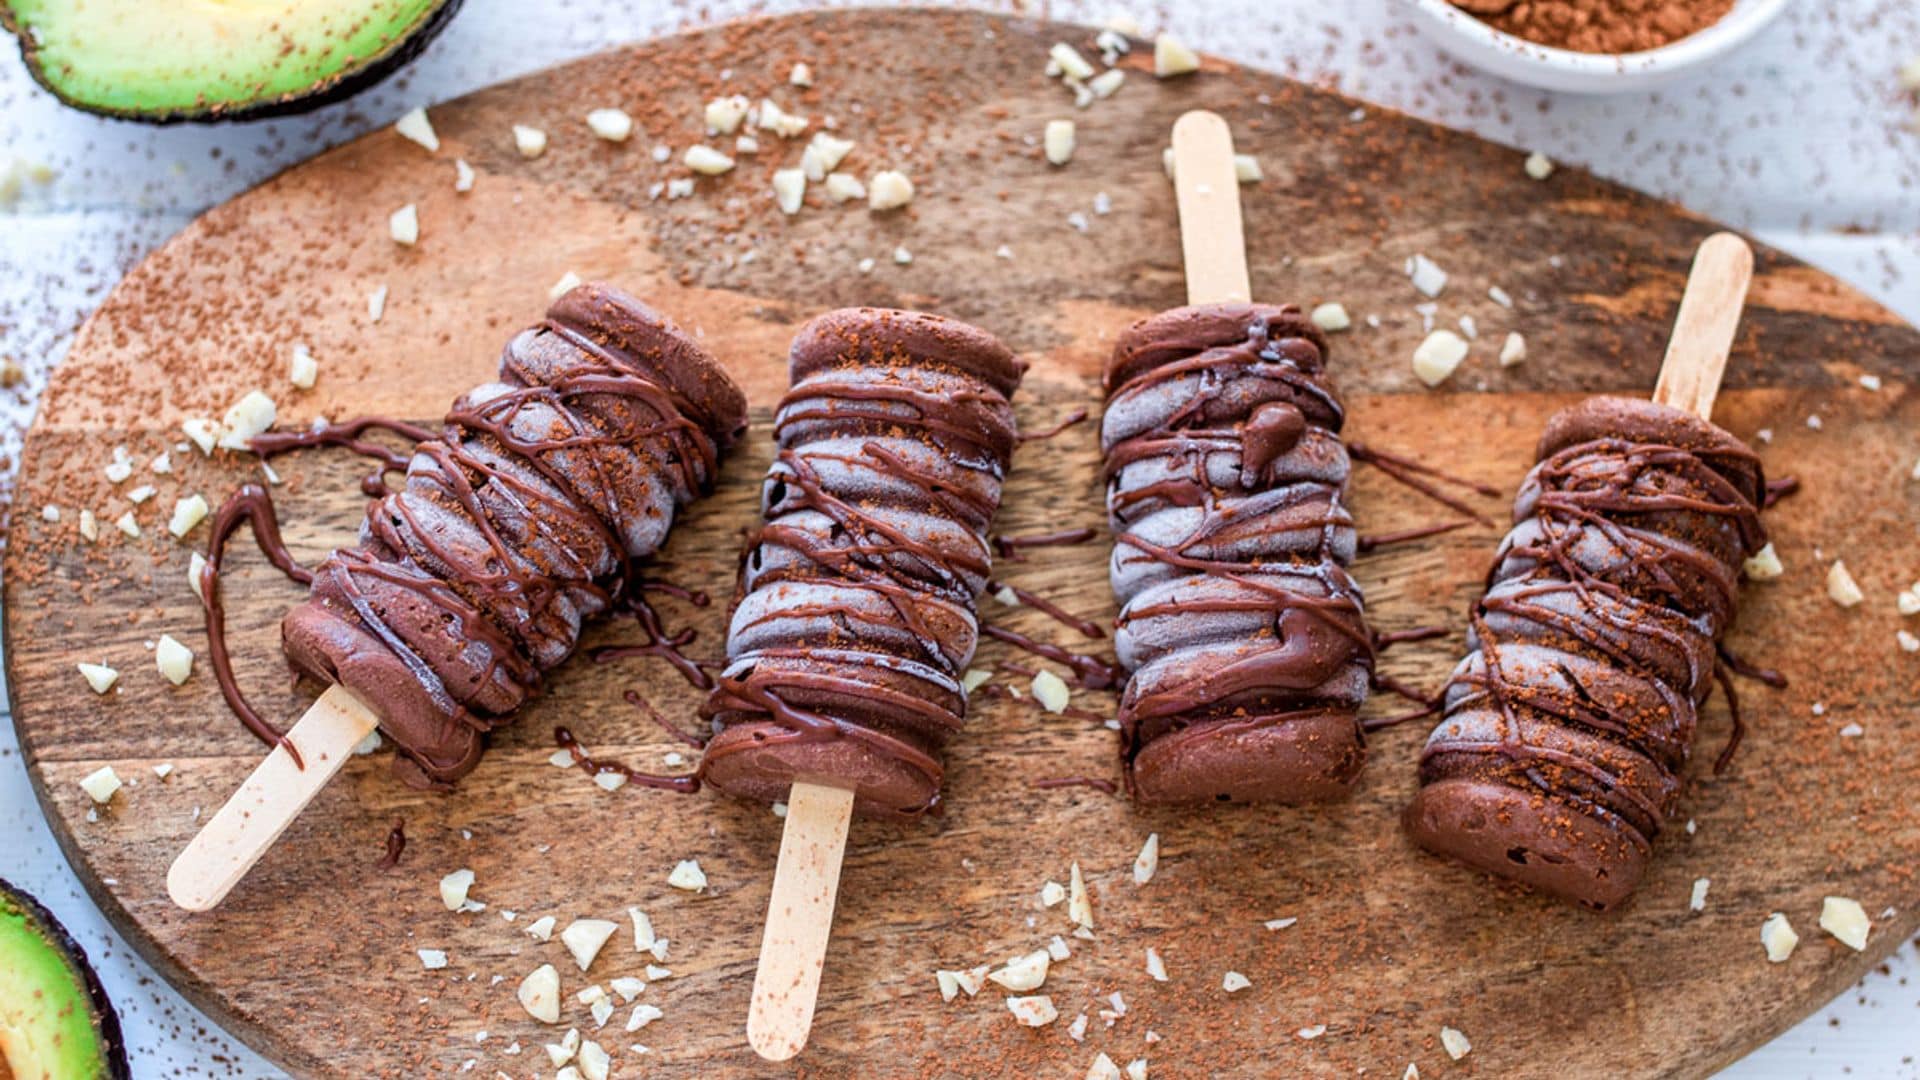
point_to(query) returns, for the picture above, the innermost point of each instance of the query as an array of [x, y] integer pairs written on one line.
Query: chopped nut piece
[[1846, 920], [1050, 691], [1058, 141], [688, 875], [642, 1016], [1279, 924], [706, 161], [724, 115], [1171, 58], [1246, 169], [1439, 356], [971, 980], [163, 770], [1539, 166], [1079, 904], [889, 190], [595, 1064], [1077, 1031], [303, 370], [584, 937], [1156, 967], [174, 660], [1069, 61], [613, 125], [187, 513], [1052, 893], [1513, 350], [414, 125], [1137, 1069], [609, 780], [454, 888], [1908, 642], [101, 783], [823, 154], [1426, 275], [1907, 603], [541, 929], [1777, 936], [90, 527], [539, 994], [1764, 565], [567, 282], [643, 939], [1233, 982], [1841, 587], [1035, 1011], [128, 525], [1148, 861], [1331, 317], [655, 972], [462, 175], [779, 121], [746, 144], [801, 75], [252, 415], [948, 983], [1455, 1042], [404, 225], [902, 257], [789, 189], [1103, 1068], [1698, 902], [1107, 83], [376, 304], [141, 494], [1057, 949], [530, 141], [563, 1051], [601, 1011], [432, 959], [1024, 972], [844, 188]]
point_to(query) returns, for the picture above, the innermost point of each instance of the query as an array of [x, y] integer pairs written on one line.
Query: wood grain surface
[[313, 958]]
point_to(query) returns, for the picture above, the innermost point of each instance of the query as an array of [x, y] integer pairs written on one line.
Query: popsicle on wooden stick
[[1569, 726], [524, 516], [855, 616]]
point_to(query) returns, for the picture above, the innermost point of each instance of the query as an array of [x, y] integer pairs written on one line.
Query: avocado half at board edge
[[55, 1020], [163, 61]]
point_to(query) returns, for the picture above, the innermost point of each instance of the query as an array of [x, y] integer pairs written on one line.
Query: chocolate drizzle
[[1226, 490], [855, 615], [520, 520], [592, 766], [1594, 646], [250, 504]]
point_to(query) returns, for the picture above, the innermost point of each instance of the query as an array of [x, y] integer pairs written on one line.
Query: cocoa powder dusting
[[1600, 26]]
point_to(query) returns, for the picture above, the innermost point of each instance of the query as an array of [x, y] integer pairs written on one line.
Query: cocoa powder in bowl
[[1599, 26]]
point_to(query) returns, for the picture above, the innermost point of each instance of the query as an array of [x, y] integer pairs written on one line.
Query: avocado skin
[[325, 92], [105, 1021]]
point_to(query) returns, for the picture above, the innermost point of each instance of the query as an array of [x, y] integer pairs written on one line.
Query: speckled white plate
[[1480, 45]]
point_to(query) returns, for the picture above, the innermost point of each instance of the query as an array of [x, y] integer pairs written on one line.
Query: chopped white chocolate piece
[[705, 160], [789, 189], [1908, 641], [303, 370], [655, 973], [842, 187], [746, 144], [1058, 141], [118, 470], [141, 494], [902, 257], [1050, 691], [1313, 1032], [252, 415], [404, 225], [1024, 972], [971, 980], [187, 513], [1331, 317], [1280, 924], [888, 190], [1764, 565], [823, 154], [627, 987], [613, 125], [541, 929], [1052, 893], [1057, 948], [414, 125], [601, 1011], [566, 283], [1538, 165], [203, 432], [1841, 587], [1069, 61], [462, 175], [539, 994], [163, 770], [608, 780], [948, 983], [1426, 275], [1846, 920], [454, 888], [974, 679], [530, 141], [1035, 1011], [174, 660], [1079, 904], [127, 524], [1103, 1068], [1156, 967], [642, 1016], [432, 959], [376, 304], [162, 463], [1137, 1069], [1698, 902], [724, 115], [1246, 169], [1455, 1042], [688, 875], [584, 937], [1233, 982], [595, 1064], [100, 784], [90, 529], [1077, 1031], [98, 675], [779, 121], [1148, 861], [1439, 356], [1107, 83], [1171, 58], [370, 744], [1499, 296], [1907, 603], [1513, 350], [801, 75], [563, 1051], [1777, 936], [643, 939]]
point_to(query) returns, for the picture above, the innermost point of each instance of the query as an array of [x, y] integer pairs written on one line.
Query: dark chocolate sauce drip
[[634, 699], [1075, 417], [1408, 472], [592, 766], [396, 843], [250, 504], [350, 434], [1086, 627], [1097, 783], [1089, 672], [657, 642], [1780, 489], [1375, 541], [1009, 547], [1595, 644]]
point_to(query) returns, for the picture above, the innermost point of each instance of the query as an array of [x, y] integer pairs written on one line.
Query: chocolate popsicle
[[1569, 725], [855, 614], [522, 520], [1226, 492]]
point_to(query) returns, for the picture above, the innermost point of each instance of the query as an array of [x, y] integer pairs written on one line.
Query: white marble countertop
[[1802, 138]]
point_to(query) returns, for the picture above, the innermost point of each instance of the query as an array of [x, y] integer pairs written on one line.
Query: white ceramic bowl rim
[[1742, 22]]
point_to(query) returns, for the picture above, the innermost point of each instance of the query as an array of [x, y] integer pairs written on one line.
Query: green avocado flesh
[[215, 59], [55, 1022]]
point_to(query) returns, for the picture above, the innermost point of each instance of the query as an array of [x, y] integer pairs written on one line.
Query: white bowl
[[1476, 43]]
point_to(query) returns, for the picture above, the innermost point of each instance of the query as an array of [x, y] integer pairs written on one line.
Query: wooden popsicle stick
[[1703, 330], [1208, 190], [278, 789], [799, 919]]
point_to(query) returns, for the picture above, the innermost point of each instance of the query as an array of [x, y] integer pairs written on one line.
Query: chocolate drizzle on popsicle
[[855, 615], [1569, 726]]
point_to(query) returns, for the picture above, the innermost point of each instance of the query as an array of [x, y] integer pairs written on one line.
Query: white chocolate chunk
[[1331, 317], [1764, 565], [888, 190], [789, 189], [100, 784], [99, 676], [203, 433], [723, 115], [565, 284], [1778, 938], [174, 660], [1246, 169], [432, 959], [779, 121], [539, 994], [642, 1016], [127, 524], [948, 983], [705, 160], [462, 175], [1107, 83], [1156, 967], [1079, 904], [1069, 61], [141, 494], [801, 75], [414, 125], [1171, 58], [1058, 141], [643, 939], [531, 142], [1103, 1068], [1538, 165], [90, 527], [187, 513], [613, 125], [823, 154], [1846, 920], [541, 929], [1025, 972], [404, 225], [627, 987], [688, 875], [1233, 982], [1513, 350], [1455, 1042], [1908, 641], [842, 187], [1426, 275], [563, 1051], [454, 888], [303, 370], [595, 1064], [1050, 691], [1035, 1011], [252, 415], [1698, 901], [376, 304], [1841, 587], [1148, 861], [1052, 893], [1439, 356], [584, 937]]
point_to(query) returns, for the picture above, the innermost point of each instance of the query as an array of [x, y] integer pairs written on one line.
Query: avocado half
[[55, 1020], [163, 61]]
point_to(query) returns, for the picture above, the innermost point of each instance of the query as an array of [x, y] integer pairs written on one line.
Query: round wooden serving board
[[313, 958]]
